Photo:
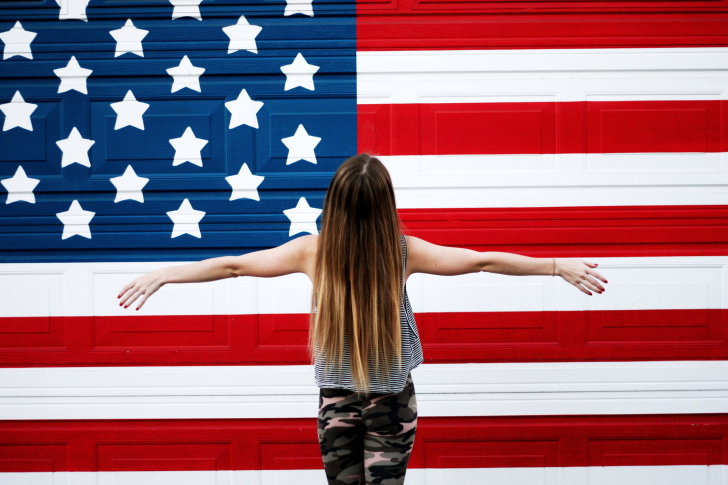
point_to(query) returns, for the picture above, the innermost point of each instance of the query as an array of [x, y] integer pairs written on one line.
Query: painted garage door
[[143, 133]]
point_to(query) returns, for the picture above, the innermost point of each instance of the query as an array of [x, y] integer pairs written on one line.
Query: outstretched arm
[[295, 256], [425, 257]]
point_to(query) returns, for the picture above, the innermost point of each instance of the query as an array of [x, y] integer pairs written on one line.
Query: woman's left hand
[[142, 287], [580, 273]]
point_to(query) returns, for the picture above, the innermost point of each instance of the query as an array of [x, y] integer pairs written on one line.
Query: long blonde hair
[[358, 280]]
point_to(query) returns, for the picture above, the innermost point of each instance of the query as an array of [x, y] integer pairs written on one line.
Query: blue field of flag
[[114, 122]]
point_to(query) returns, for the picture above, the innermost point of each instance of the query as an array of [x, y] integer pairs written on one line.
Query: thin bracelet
[[553, 273]]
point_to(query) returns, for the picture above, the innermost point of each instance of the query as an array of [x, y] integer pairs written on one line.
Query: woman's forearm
[[146, 285], [291, 257], [206, 270], [579, 272], [518, 265]]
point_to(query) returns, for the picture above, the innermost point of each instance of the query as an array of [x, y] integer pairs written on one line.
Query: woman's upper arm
[[425, 257], [296, 256]]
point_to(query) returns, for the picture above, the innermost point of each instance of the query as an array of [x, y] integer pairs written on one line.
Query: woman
[[363, 339]]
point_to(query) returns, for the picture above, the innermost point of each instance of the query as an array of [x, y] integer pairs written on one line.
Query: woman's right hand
[[141, 288], [580, 273]]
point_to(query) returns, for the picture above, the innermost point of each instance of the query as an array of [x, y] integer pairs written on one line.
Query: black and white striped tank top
[[397, 378]]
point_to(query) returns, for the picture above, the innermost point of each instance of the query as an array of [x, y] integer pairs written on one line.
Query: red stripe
[[543, 127], [435, 25], [275, 444], [565, 336], [595, 231]]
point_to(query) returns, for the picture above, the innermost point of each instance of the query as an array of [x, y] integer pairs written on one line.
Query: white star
[[129, 112], [20, 187], [73, 76], [300, 146], [187, 148], [129, 39], [303, 218], [72, 9], [245, 184], [186, 220], [75, 149], [243, 110], [17, 42], [299, 73], [298, 6], [242, 36], [129, 186], [186, 8], [17, 113], [186, 75], [75, 221]]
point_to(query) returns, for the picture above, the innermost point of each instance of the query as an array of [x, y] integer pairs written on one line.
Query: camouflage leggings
[[367, 437]]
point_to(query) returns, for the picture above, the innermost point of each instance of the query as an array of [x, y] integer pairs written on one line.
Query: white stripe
[[645, 283], [559, 180], [289, 391], [86, 289], [83, 289], [596, 475], [530, 75], [648, 283]]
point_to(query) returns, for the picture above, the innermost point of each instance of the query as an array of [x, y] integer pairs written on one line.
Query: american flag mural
[[142, 134]]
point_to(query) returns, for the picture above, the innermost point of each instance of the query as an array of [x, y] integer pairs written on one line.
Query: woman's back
[[393, 381]]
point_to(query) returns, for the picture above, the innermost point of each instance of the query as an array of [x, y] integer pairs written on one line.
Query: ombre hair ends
[[359, 274]]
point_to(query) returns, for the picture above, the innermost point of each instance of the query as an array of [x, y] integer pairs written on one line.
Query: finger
[[592, 287], [142, 300], [598, 275], [133, 298], [125, 289], [582, 289], [126, 296], [589, 263], [594, 284]]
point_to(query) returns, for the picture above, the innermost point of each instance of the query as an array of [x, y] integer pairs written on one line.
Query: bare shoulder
[[302, 244], [415, 243], [308, 247], [416, 248]]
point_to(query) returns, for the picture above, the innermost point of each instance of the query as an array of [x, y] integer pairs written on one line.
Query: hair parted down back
[[358, 282]]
